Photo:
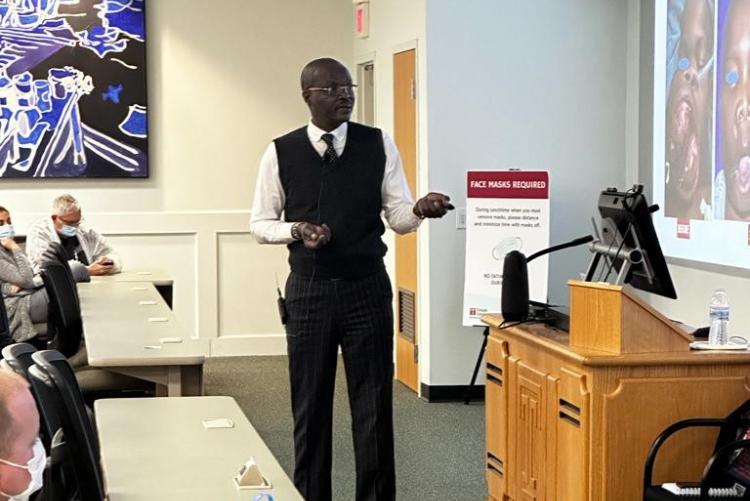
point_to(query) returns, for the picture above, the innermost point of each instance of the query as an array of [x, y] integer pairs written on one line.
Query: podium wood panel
[[663, 400], [579, 422], [573, 436], [612, 318], [496, 420]]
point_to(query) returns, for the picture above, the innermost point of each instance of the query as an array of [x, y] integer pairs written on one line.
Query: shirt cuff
[[415, 220], [282, 233]]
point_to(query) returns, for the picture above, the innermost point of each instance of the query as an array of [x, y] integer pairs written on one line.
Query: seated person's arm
[[9, 289], [103, 265], [116, 261], [105, 259], [19, 272]]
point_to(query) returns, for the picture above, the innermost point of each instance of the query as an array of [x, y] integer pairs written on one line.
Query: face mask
[[35, 467], [7, 231], [68, 231]]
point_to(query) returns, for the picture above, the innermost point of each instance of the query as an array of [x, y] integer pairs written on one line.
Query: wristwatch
[[296, 233], [417, 211]]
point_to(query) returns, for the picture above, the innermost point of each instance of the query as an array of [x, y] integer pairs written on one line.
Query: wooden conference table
[[131, 330], [159, 448]]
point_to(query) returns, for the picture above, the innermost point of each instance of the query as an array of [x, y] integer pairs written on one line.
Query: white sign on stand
[[505, 211]]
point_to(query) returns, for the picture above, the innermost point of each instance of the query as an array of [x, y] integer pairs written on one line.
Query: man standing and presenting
[[331, 180]]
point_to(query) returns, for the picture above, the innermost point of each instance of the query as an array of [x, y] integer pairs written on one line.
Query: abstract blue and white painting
[[73, 89]]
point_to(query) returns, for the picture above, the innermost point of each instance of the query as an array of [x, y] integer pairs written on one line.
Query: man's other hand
[[433, 205], [102, 266], [314, 236]]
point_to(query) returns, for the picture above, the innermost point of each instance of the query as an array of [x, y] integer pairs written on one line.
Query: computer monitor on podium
[[627, 242]]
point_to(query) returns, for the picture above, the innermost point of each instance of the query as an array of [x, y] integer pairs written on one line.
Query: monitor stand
[[609, 245]]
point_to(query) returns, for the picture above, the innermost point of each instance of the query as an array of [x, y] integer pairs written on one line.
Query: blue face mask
[[68, 231], [7, 231]]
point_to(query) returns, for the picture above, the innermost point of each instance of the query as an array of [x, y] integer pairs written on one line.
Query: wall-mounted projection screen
[[701, 147]]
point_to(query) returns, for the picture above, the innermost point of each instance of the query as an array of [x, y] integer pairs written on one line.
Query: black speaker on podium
[[515, 292], [514, 298]]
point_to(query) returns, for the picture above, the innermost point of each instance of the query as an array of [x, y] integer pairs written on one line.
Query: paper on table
[[210, 423], [175, 339]]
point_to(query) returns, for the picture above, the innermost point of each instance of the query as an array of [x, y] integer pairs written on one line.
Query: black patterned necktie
[[330, 155]]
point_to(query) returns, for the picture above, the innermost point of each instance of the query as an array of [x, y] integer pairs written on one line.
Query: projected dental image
[[689, 109], [732, 185]]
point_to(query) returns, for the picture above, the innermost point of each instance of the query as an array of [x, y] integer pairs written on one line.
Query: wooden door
[[405, 132]]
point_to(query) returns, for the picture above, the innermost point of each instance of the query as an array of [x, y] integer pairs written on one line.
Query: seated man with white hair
[[88, 253], [22, 455]]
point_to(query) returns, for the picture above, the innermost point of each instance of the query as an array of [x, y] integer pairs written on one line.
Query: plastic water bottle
[[719, 313]]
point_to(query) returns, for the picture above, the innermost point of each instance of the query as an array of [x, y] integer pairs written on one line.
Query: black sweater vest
[[347, 197]]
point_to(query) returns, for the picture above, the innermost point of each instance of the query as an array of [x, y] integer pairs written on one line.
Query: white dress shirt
[[266, 224]]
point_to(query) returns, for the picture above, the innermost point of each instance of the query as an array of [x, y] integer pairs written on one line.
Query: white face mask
[[68, 231], [35, 467], [7, 231]]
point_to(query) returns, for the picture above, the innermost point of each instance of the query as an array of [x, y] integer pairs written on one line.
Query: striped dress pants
[[356, 315]]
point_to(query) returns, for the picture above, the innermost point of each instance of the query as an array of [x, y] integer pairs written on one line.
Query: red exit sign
[[362, 20]]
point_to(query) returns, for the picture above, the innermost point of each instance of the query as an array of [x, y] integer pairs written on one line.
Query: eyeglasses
[[336, 90], [75, 225]]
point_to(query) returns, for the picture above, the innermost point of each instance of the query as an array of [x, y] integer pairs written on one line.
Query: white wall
[[539, 85], [695, 285], [223, 81], [395, 26]]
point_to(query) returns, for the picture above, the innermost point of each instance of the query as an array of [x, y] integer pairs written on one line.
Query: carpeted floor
[[439, 446]]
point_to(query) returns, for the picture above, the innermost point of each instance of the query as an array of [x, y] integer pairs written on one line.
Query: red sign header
[[508, 184], [683, 228]]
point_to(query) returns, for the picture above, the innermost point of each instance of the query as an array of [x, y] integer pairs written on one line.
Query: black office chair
[[728, 466], [55, 253], [5, 336], [65, 332], [64, 325], [51, 359], [18, 358], [82, 447]]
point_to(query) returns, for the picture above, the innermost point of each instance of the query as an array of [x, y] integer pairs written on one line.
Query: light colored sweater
[[15, 269]]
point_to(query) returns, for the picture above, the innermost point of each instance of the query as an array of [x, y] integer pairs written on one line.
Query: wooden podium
[[570, 417]]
